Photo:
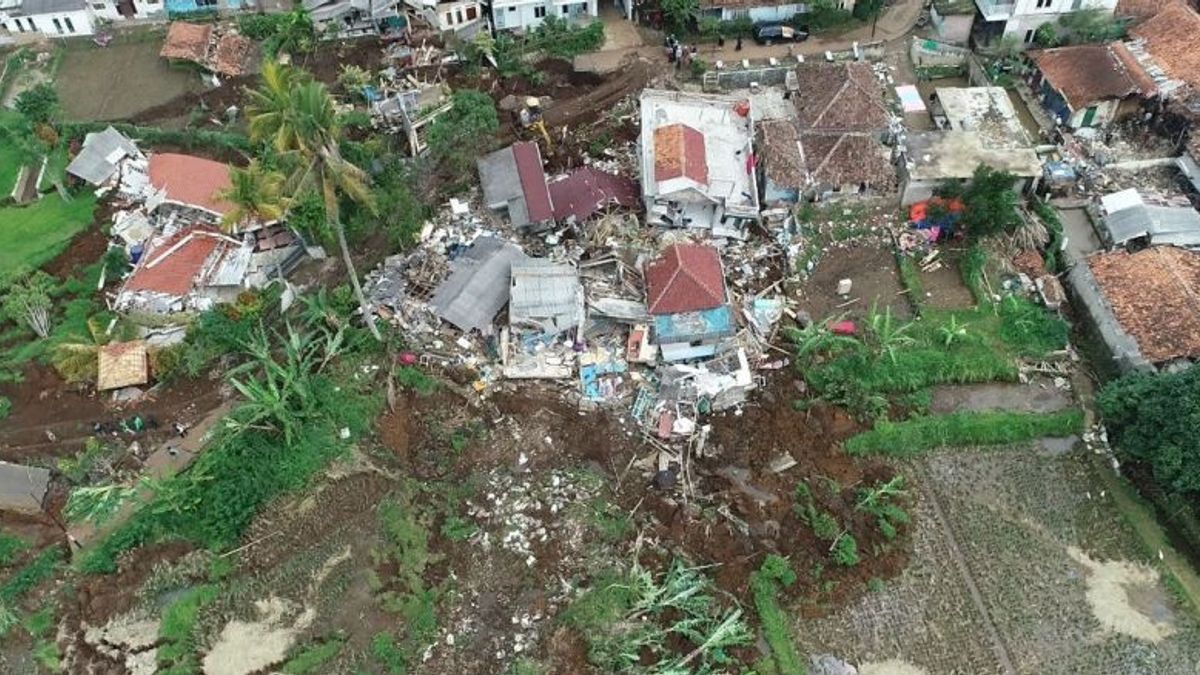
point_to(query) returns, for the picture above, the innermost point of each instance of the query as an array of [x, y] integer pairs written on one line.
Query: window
[[449, 19], [99, 6], [512, 9], [565, 9], [472, 13], [32, 25], [1028, 36], [70, 26], [539, 12], [3, 26], [57, 26], [458, 15]]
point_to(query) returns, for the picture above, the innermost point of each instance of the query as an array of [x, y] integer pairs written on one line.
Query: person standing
[[738, 47]]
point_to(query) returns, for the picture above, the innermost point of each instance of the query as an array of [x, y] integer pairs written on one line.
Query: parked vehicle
[[771, 33]]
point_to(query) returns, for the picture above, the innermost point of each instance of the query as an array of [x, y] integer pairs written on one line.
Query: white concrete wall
[[1106, 111], [1027, 16], [528, 15], [71, 23]]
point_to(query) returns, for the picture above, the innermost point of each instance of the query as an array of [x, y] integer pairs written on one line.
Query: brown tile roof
[[679, 152], [122, 364], [847, 159], [528, 158], [192, 181], [1087, 74], [839, 97], [1155, 296], [1173, 39], [779, 149], [187, 41], [1140, 10], [685, 278], [587, 190]]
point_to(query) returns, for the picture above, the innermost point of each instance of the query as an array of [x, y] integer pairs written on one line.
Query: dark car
[[771, 33]]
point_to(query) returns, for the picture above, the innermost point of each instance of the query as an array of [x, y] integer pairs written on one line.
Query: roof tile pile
[[588, 190], [1171, 38]]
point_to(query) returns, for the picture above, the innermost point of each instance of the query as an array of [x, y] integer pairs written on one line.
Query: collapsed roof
[[478, 285], [226, 53], [1128, 215], [513, 178], [101, 156]]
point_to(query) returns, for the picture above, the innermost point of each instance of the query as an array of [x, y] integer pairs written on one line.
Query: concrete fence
[[926, 53], [740, 75]]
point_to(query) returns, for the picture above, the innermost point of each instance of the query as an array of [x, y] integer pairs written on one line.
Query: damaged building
[[980, 127], [545, 312], [1133, 219], [215, 48], [1090, 85], [686, 296], [101, 157], [698, 162]]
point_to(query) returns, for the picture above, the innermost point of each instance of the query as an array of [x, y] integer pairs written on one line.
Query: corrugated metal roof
[[545, 294], [477, 287], [100, 155], [22, 488], [1162, 224]]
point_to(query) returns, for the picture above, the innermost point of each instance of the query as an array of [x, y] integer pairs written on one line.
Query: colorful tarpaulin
[[910, 99]]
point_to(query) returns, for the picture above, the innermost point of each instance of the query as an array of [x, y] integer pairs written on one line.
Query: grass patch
[[35, 234], [765, 585], [910, 437], [972, 267], [56, 167], [31, 576], [11, 548], [910, 277], [313, 657], [177, 648]]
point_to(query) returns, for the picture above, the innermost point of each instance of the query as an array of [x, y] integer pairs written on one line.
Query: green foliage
[[289, 33], [991, 204], [189, 139], [608, 520], [845, 551], [98, 504], [1046, 36], [867, 9], [457, 528], [177, 632], [80, 468], [886, 335], [911, 437], [11, 548], [827, 15], [463, 133], [388, 654], [1091, 25], [633, 622], [881, 501], [765, 585], [910, 277], [1152, 418], [402, 211], [971, 268], [27, 300], [415, 379], [1031, 329], [565, 40], [312, 658], [680, 15], [6, 406], [823, 524], [1054, 227], [31, 576], [39, 103]]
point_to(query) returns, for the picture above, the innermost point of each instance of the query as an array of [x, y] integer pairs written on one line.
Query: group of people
[[682, 55]]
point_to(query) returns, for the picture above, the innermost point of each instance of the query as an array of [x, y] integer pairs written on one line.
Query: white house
[[48, 18], [460, 16], [523, 15], [758, 11], [1021, 18]]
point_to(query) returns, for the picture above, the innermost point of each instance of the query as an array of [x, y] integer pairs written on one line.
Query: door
[[1089, 116]]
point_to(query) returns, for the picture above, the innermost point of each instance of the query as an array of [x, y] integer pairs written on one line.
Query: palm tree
[[256, 194], [297, 115]]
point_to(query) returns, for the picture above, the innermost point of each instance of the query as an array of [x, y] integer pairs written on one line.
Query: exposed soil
[[85, 249], [215, 102], [43, 403], [874, 279], [944, 287], [1039, 396], [118, 81]]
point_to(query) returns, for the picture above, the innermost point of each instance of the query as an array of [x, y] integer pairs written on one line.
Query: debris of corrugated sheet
[[478, 285]]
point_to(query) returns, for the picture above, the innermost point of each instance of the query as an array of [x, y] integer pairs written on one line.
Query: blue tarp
[[691, 326]]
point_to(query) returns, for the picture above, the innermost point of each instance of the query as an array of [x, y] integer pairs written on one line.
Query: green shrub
[[1030, 329], [11, 548], [5, 407], [177, 632], [972, 267], [845, 551], [764, 585], [1152, 418], [910, 277], [189, 139], [313, 657], [911, 437], [31, 576]]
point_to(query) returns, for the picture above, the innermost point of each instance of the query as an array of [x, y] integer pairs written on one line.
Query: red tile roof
[[1155, 296], [685, 278], [1173, 40], [187, 41], [679, 152], [586, 191], [1087, 74], [533, 180], [193, 181], [171, 268], [839, 97]]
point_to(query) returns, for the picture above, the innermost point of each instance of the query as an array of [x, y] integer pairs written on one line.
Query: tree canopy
[[459, 136], [1153, 419], [991, 203]]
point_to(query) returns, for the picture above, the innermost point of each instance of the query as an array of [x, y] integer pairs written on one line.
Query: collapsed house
[[546, 302], [409, 111], [686, 296], [101, 156], [217, 49], [1145, 306], [189, 184], [478, 285], [1165, 45], [194, 267], [356, 18], [1090, 85], [698, 162], [122, 364], [833, 146], [514, 182], [982, 128], [1130, 218]]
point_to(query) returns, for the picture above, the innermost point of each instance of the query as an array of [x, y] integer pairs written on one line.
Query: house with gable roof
[[698, 162], [1090, 85], [686, 296]]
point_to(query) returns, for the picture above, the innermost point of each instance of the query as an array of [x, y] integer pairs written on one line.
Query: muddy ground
[[874, 282], [119, 81]]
